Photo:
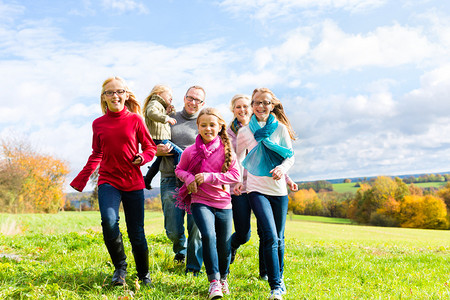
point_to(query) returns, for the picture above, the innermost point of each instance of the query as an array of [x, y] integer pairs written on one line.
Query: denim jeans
[[154, 168], [242, 226], [174, 226], [271, 212], [215, 226], [109, 199]]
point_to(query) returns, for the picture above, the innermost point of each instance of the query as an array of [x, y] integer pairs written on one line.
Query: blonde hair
[[157, 90], [222, 133], [131, 103], [236, 98], [278, 110]]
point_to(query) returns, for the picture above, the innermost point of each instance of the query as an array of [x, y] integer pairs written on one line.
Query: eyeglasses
[[264, 103], [192, 99], [111, 93]]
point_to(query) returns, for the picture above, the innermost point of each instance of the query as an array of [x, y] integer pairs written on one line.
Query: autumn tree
[[378, 198], [30, 181], [423, 212], [444, 193]]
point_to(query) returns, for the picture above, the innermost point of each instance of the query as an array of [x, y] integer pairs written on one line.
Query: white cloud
[[123, 6], [268, 9], [387, 46], [9, 12]]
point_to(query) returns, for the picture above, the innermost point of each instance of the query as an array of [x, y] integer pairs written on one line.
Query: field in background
[[350, 187], [62, 256]]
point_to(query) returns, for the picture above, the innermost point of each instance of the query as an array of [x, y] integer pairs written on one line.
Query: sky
[[365, 83]]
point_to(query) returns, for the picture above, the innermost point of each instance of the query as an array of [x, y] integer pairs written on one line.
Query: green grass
[[437, 185], [345, 187], [62, 256]]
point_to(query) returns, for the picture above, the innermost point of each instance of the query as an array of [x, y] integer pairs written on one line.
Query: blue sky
[[366, 83]]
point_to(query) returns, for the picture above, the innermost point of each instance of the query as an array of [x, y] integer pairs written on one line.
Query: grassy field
[[62, 256], [345, 187], [350, 187]]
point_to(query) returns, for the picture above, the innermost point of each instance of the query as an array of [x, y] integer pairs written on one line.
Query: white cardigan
[[263, 184]]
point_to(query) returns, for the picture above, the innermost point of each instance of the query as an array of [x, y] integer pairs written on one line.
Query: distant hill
[[361, 178]]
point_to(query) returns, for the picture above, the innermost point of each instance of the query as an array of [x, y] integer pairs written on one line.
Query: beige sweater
[[156, 118]]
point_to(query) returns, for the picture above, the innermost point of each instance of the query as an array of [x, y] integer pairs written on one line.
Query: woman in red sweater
[[115, 146]]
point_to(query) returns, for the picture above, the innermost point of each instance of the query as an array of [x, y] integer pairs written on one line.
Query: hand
[[276, 173], [293, 186], [172, 121], [199, 178], [163, 150], [137, 160], [192, 187], [237, 190]]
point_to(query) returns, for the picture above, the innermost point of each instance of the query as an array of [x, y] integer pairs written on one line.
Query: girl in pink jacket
[[207, 168]]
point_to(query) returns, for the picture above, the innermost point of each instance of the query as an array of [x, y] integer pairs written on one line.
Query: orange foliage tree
[[423, 212], [305, 202], [29, 181]]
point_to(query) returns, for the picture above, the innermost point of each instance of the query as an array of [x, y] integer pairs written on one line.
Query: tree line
[[383, 201]]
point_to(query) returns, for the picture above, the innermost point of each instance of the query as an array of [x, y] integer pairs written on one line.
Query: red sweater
[[115, 143]]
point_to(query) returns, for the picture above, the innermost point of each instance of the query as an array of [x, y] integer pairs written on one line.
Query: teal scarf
[[267, 154]]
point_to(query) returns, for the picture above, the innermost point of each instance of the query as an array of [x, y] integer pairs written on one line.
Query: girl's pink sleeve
[[229, 177], [94, 159], [181, 169]]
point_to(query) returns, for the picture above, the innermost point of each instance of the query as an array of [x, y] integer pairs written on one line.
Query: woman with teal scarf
[[268, 141]]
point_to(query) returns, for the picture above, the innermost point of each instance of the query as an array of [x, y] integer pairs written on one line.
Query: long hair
[[222, 133], [132, 104], [157, 90], [278, 110]]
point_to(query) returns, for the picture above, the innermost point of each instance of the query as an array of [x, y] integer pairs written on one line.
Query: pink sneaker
[[225, 289], [215, 290]]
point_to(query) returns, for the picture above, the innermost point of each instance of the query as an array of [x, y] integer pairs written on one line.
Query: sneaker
[[264, 277], [275, 295], [283, 287], [233, 255], [179, 258], [225, 289], [215, 290]]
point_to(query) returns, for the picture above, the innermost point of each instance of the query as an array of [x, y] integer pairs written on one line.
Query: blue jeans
[[215, 226], [109, 199], [242, 226], [271, 212], [154, 168], [174, 226]]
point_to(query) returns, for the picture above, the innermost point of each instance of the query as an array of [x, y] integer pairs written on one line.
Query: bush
[[423, 212], [29, 181]]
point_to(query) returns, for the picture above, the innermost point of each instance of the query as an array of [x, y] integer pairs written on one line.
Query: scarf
[[235, 126], [199, 156], [266, 155]]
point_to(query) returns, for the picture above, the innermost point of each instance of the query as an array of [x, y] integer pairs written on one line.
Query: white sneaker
[[225, 289], [275, 295], [215, 290], [283, 287]]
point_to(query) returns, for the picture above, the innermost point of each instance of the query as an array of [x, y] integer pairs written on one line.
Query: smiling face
[[262, 105], [116, 101], [208, 127], [242, 111], [194, 100]]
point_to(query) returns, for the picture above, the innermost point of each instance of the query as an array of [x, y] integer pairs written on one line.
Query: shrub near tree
[[29, 181], [390, 202]]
